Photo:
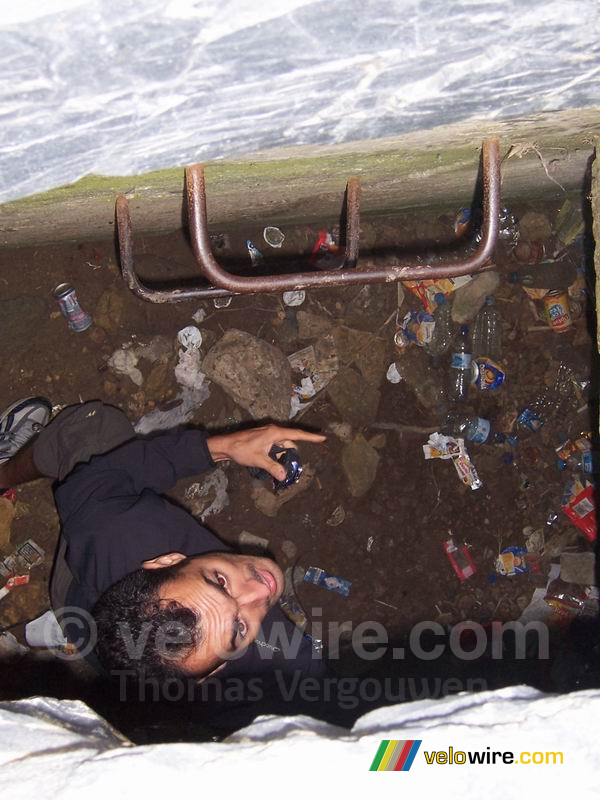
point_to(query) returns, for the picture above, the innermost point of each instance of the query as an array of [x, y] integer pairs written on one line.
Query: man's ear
[[166, 560]]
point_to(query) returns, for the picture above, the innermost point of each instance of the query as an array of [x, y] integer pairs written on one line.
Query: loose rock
[[535, 227], [311, 326], [360, 462], [110, 313], [356, 401], [363, 349], [256, 374], [269, 503], [469, 299], [7, 514]]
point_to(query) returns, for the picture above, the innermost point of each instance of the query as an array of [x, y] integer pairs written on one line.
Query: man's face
[[231, 595]]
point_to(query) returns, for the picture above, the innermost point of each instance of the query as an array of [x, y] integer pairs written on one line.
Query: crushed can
[[78, 319]]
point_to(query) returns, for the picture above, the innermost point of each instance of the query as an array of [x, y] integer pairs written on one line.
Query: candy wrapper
[[579, 504], [445, 447], [571, 599], [332, 583], [417, 327], [440, 446], [487, 374], [516, 561], [426, 290]]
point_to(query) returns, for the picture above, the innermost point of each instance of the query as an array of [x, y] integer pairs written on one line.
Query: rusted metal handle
[[476, 262], [131, 279]]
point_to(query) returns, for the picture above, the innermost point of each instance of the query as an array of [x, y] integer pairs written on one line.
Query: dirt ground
[[389, 544]]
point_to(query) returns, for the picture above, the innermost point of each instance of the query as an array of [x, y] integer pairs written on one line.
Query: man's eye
[[221, 580]]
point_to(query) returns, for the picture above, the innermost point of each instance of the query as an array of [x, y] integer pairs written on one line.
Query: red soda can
[[78, 319]]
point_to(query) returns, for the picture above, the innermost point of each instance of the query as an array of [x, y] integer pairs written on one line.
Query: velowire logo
[[395, 755]]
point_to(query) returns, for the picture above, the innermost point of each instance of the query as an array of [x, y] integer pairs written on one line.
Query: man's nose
[[253, 592]]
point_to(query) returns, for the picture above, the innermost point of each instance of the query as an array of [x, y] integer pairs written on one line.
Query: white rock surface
[[101, 86], [52, 748]]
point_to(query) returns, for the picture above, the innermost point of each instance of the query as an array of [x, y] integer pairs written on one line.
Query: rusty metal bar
[[476, 262], [131, 279]]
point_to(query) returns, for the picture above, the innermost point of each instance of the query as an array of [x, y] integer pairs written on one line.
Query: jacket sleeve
[[127, 471], [158, 463]]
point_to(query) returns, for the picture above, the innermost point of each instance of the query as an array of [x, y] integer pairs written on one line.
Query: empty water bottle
[[587, 462], [460, 367], [443, 332], [487, 331], [474, 429]]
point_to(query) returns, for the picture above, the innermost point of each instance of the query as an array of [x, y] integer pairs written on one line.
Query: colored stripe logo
[[395, 755]]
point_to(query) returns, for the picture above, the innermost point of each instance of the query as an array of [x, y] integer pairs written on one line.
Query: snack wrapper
[[426, 290], [579, 504], [512, 561], [447, 447], [487, 374], [417, 327]]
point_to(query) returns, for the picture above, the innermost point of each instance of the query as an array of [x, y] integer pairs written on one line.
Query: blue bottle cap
[[560, 464], [440, 298]]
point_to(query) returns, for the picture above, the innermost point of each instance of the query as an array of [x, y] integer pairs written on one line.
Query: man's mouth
[[268, 579]]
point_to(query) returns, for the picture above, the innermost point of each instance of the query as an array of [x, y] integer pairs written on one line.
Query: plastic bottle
[[536, 413], [587, 462], [474, 429], [443, 333], [487, 331], [460, 367]]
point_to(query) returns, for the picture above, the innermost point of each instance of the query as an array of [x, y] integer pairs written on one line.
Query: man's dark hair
[[136, 630]]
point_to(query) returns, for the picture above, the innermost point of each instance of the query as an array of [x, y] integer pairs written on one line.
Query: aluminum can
[[78, 319], [558, 310]]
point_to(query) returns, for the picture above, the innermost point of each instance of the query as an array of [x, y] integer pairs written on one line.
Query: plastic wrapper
[[571, 599], [417, 327], [516, 560], [487, 374], [460, 559], [427, 290], [447, 447], [579, 504]]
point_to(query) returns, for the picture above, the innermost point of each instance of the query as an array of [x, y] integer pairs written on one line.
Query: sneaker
[[20, 422]]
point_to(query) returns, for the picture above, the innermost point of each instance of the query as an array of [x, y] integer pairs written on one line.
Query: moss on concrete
[[296, 185]]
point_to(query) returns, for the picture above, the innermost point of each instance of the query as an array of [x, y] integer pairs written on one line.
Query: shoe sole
[[27, 401]]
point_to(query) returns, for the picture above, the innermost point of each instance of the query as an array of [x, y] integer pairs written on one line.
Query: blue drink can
[[78, 319]]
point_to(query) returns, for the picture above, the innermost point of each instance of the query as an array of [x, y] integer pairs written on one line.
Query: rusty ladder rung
[[224, 284]]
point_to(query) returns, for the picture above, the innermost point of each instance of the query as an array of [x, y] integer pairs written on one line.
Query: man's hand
[[250, 448]]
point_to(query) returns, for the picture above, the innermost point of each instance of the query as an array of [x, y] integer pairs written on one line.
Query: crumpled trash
[[293, 299], [124, 362], [314, 373], [273, 236], [187, 371], [181, 412], [447, 447], [197, 493]]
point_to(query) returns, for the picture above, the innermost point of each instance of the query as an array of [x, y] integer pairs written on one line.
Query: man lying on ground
[[138, 584]]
